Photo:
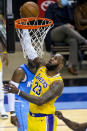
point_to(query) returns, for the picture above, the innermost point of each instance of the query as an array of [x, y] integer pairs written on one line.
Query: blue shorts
[[21, 110]]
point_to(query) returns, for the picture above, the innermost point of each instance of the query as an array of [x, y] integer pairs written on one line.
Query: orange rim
[[18, 22]]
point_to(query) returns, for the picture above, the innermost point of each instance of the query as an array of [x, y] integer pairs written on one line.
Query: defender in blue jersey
[[21, 105], [22, 78]]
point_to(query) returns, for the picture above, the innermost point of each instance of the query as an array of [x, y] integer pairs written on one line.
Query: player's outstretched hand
[[59, 114], [11, 88]]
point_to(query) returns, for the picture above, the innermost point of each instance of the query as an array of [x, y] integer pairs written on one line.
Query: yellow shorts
[[44, 123]]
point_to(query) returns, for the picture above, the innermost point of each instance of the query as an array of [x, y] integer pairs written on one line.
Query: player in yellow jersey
[[46, 88]]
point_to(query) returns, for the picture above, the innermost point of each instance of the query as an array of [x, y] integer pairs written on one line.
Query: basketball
[[29, 9]]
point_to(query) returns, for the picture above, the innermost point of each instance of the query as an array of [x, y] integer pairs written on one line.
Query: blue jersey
[[25, 86]]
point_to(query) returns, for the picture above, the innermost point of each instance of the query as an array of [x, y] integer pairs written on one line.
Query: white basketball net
[[34, 37]]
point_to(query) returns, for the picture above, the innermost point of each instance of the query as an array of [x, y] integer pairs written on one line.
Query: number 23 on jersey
[[37, 89]]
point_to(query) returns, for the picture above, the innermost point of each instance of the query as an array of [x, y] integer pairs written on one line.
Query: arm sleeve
[[27, 45], [11, 98], [11, 102]]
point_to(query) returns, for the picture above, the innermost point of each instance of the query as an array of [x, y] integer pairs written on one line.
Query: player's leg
[[2, 108], [17, 111], [22, 110], [47, 123]]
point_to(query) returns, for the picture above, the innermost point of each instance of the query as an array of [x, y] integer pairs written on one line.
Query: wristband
[[13, 114], [14, 83]]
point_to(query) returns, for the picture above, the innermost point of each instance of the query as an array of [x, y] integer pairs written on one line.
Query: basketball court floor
[[75, 115]]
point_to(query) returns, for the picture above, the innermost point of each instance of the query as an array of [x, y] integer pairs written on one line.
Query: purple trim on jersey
[[50, 123]]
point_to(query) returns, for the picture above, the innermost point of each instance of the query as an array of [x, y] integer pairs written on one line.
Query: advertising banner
[[43, 4]]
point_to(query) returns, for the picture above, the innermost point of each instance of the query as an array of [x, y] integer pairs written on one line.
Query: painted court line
[[74, 89], [70, 105]]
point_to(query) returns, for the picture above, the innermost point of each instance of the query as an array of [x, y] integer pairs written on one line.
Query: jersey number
[[37, 89]]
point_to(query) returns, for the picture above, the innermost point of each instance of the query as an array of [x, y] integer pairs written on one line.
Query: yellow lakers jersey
[[40, 85]]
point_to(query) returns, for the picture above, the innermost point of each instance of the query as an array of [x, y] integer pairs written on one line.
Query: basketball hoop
[[33, 31]]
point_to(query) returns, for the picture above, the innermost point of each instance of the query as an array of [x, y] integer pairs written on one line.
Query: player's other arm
[[74, 125], [71, 124], [54, 90], [18, 75]]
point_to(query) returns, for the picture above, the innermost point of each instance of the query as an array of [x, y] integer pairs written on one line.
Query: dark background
[[16, 6]]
